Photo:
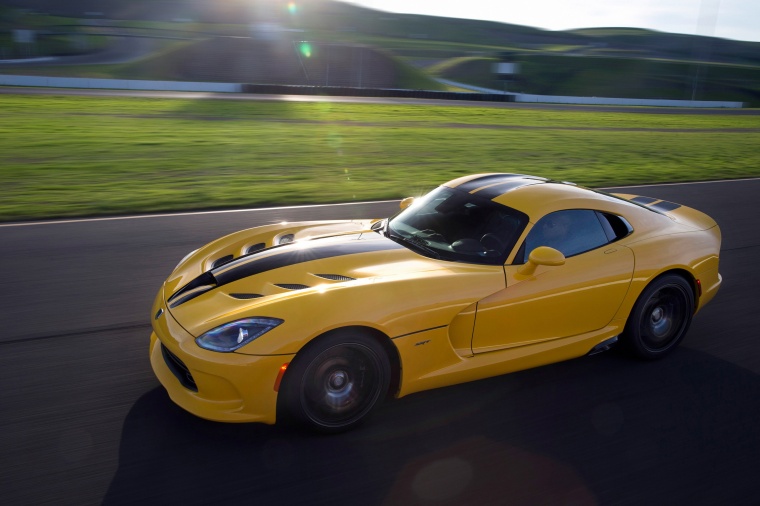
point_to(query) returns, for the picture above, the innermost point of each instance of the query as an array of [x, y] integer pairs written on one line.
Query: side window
[[614, 226], [571, 232]]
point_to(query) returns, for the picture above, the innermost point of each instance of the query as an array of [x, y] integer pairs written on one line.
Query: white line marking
[[223, 211], [192, 213], [686, 183]]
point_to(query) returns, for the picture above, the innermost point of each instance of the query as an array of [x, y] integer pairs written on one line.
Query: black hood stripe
[[297, 254], [288, 255]]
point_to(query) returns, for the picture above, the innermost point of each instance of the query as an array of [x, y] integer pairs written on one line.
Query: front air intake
[[179, 369]]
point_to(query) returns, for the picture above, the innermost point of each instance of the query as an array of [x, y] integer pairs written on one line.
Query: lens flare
[[305, 49], [292, 7]]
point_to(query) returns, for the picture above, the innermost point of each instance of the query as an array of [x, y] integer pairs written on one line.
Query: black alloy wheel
[[337, 381], [660, 317]]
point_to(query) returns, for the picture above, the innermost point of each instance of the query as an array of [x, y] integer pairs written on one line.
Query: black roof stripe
[[493, 191], [644, 200], [482, 181], [666, 206]]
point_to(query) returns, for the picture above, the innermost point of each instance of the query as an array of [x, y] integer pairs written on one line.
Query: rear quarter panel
[[694, 253]]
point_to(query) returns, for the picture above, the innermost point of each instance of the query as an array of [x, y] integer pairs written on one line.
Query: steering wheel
[[432, 234], [491, 241]]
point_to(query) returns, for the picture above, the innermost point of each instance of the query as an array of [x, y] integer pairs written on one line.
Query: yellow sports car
[[319, 321]]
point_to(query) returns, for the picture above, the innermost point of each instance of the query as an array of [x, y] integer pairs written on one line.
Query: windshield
[[451, 224]]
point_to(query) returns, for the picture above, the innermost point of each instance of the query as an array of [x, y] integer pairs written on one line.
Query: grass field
[[76, 156]]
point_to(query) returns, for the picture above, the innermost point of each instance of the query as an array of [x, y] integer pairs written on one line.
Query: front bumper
[[226, 387]]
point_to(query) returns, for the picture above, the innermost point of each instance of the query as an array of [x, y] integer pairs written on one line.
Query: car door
[[555, 302]]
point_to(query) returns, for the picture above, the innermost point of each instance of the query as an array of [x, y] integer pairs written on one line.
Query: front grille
[[179, 369]]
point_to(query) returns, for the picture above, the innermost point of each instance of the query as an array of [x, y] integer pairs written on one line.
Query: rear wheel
[[337, 381], [660, 317]]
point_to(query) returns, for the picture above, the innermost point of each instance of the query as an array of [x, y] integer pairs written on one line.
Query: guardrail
[[276, 89], [548, 99], [343, 91]]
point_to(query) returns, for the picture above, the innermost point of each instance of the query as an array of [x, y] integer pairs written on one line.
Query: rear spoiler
[[677, 212]]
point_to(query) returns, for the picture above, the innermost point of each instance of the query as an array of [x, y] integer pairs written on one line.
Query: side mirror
[[543, 255], [406, 203]]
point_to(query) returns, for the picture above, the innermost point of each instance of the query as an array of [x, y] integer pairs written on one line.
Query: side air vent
[[292, 286], [335, 277], [221, 261], [254, 248], [245, 296]]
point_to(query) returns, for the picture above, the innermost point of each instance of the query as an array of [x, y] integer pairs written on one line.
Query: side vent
[[291, 286], [254, 248], [221, 261], [334, 277], [245, 296]]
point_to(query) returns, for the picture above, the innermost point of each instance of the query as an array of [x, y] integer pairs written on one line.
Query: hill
[[625, 62]]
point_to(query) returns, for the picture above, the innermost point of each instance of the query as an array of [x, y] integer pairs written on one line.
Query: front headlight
[[231, 336]]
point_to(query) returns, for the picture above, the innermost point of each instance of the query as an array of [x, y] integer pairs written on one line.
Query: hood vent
[[221, 261], [335, 277], [256, 247], [291, 286], [245, 296]]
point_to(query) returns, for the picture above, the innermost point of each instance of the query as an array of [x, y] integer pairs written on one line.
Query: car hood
[[350, 272]]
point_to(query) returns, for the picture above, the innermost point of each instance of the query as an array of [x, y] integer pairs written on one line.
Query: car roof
[[536, 196]]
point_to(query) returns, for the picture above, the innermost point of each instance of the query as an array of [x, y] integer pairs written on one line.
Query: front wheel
[[336, 382], [660, 317]]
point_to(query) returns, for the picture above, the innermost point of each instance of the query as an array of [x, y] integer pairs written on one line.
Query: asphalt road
[[83, 420]]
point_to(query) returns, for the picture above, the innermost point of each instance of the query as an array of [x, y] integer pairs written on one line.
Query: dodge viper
[[318, 322]]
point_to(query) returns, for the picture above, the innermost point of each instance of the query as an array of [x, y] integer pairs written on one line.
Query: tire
[[660, 318], [335, 382]]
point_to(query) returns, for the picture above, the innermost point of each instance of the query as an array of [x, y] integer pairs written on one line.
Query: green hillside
[[546, 74], [610, 62]]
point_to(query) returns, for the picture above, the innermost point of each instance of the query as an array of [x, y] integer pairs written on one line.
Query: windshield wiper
[[415, 242]]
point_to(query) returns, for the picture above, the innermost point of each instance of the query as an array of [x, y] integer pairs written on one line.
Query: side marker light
[[279, 377]]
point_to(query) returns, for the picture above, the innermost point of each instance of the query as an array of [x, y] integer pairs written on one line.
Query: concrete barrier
[[117, 84]]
